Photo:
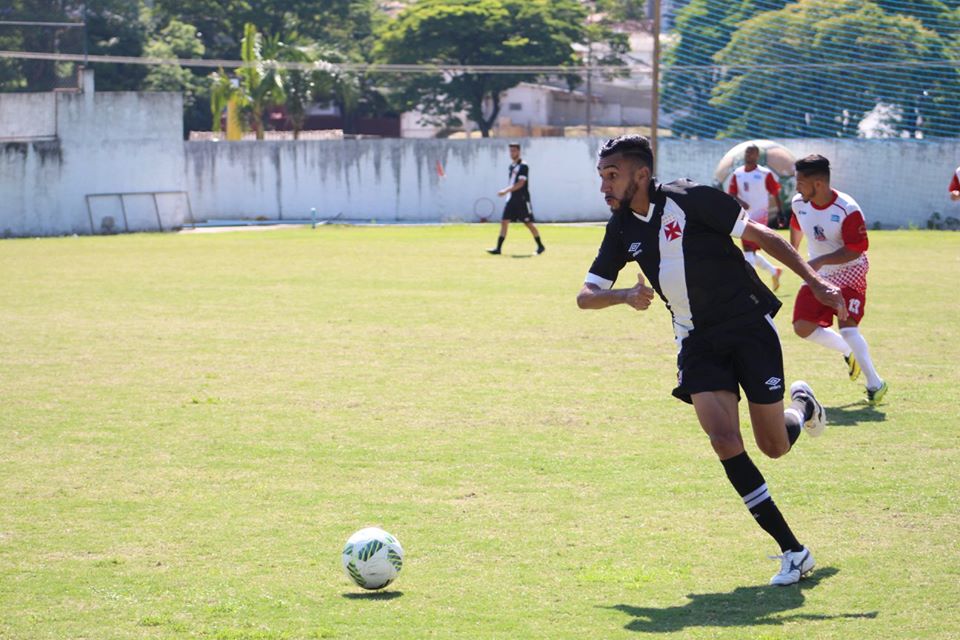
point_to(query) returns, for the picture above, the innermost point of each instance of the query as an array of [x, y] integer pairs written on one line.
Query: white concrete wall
[[896, 182], [27, 115], [132, 142], [105, 142], [387, 180]]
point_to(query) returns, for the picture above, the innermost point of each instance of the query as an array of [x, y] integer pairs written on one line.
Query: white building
[[540, 105]]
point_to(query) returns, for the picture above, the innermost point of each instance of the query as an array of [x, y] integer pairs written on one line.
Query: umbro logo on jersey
[[834, 218], [635, 249], [773, 383]]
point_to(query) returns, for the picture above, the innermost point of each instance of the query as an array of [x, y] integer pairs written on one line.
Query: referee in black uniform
[[681, 235], [518, 207]]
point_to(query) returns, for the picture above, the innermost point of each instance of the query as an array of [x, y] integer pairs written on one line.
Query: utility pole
[[655, 94], [84, 14], [589, 85]]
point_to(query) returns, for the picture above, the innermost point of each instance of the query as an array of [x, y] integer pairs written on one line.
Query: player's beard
[[624, 207]]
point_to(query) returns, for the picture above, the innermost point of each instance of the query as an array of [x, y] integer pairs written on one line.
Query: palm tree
[[261, 82], [222, 90]]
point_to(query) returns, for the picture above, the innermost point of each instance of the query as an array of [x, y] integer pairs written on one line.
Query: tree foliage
[[820, 100], [704, 27], [476, 32], [113, 28], [344, 25], [706, 85], [622, 10]]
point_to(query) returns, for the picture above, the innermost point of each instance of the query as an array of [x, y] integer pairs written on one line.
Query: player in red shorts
[[755, 188], [837, 247]]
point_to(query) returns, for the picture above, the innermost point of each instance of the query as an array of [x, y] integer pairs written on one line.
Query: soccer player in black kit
[[518, 207], [681, 235]]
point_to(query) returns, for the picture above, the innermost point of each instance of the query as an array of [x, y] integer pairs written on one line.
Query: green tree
[[822, 101], [933, 14], [222, 90], [260, 80], [345, 25], [113, 28], [623, 9], [178, 40], [303, 87], [703, 28], [476, 32]]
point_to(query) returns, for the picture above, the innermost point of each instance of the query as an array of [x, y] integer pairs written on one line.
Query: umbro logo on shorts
[[635, 249], [773, 383]]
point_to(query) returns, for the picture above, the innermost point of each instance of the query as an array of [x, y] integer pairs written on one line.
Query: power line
[[21, 23], [356, 67], [364, 67]]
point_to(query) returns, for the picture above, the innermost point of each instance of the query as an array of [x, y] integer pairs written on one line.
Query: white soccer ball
[[372, 558]]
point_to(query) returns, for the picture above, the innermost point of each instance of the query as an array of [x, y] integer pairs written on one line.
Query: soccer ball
[[372, 558]]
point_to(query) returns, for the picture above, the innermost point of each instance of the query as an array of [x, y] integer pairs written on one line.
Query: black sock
[[749, 483], [804, 406], [539, 244], [794, 427], [500, 242]]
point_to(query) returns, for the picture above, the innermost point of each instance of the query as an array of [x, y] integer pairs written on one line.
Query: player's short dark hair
[[813, 165], [633, 146], [514, 144], [752, 147]]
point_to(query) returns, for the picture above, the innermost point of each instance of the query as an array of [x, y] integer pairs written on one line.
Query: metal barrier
[[123, 208]]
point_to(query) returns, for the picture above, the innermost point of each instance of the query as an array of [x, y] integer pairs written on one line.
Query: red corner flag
[[440, 172]]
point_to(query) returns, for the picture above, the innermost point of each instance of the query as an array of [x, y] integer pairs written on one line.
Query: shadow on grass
[[522, 255], [742, 607], [373, 595], [850, 415]]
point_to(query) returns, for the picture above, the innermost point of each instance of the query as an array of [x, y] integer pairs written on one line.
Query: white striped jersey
[[754, 188], [684, 246], [519, 172], [840, 223]]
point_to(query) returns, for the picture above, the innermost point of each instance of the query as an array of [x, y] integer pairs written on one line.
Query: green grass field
[[192, 425]]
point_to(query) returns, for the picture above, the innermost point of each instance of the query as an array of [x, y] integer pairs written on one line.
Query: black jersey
[[516, 171], [684, 245]]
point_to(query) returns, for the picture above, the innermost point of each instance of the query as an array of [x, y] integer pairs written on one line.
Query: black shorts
[[745, 355], [518, 210]]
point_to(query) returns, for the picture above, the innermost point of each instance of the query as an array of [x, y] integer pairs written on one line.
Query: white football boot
[[818, 421], [793, 566]]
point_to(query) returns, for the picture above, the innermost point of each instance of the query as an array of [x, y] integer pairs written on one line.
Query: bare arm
[[776, 246], [841, 255], [795, 237], [514, 187], [638, 296]]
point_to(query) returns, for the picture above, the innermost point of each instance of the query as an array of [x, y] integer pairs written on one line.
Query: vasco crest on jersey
[[671, 229]]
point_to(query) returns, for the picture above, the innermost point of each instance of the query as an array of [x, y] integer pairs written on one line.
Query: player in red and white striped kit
[[755, 188], [954, 187], [837, 247]]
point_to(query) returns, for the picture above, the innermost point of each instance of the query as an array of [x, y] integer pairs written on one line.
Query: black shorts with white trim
[[746, 354], [518, 210]]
